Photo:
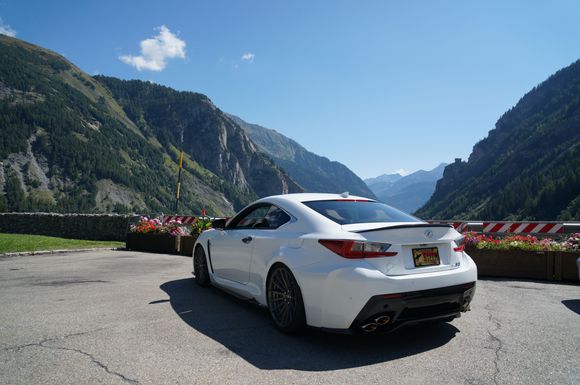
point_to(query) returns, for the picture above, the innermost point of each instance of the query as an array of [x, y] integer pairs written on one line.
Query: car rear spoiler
[[402, 227]]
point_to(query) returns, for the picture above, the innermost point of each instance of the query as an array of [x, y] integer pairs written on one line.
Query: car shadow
[[246, 330], [572, 304]]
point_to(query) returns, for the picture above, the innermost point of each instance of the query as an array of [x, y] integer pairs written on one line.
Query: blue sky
[[377, 85]]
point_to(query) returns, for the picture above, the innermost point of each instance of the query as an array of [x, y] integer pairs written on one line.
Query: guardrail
[[513, 227]]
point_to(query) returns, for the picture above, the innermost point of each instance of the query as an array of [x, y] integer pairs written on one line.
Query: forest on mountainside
[[527, 168]]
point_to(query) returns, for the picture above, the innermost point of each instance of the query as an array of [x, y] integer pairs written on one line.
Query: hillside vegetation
[[528, 167], [73, 143]]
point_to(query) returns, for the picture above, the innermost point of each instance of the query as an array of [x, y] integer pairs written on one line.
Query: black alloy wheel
[[200, 267], [285, 300]]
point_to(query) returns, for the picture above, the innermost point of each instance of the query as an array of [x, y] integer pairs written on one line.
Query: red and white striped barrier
[[523, 227], [186, 220], [511, 227]]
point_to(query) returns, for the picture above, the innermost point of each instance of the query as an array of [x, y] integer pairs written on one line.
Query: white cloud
[[155, 51], [7, 30], [248, 56], [402, 172]]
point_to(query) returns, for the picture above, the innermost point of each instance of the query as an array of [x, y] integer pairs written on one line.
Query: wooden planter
[[186, 243], [565, 267], [542, 265], [514, 263], [153, 243]]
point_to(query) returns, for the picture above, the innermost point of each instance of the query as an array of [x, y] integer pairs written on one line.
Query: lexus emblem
[[428, 234]]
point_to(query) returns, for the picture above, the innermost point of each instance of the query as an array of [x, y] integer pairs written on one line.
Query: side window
[[253, 218], [276, 217], [264, 216]]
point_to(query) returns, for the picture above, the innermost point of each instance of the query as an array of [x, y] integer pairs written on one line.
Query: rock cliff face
[[70, 142], [312, 172], [528, 167], [210, 137]]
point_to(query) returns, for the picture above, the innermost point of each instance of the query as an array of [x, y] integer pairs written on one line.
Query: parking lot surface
[[121, 317]]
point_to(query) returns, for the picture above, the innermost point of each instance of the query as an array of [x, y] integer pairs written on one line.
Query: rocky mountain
[[408, 192], [312, 172], [70, 142], [527, 168], [382, 182]]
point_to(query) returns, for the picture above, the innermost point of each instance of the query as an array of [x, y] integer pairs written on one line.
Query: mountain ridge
[[313, 172], [408, 192], [527, 168]]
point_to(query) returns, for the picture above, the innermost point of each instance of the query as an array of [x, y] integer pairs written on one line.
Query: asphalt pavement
[[122, 317]]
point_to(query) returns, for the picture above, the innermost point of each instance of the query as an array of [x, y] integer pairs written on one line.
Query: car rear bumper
[[387, 312]]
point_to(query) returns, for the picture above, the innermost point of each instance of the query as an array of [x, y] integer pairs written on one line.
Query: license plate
[[426, 257]]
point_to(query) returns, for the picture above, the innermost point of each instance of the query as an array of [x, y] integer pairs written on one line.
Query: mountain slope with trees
[[313, 172], [67, 144], [528, 167]]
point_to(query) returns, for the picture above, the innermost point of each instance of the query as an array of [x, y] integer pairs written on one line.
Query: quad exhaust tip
[[369, 327], [383, 320], [372, 326]]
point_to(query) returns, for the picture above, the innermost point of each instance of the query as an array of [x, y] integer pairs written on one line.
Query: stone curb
[[64, 251]]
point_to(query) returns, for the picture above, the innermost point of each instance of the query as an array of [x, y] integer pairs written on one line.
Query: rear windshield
[[345, 212]]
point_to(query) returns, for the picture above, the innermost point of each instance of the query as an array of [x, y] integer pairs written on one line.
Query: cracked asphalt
[[122, 317]]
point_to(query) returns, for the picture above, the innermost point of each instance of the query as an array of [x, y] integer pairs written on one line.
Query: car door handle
[[247, 239]]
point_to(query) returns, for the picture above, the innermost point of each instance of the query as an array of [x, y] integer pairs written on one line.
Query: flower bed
[[514, 242], [152, 235], [147, 225], [519, 256]]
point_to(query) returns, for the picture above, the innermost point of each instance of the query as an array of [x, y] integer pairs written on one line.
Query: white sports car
[[337, 262]]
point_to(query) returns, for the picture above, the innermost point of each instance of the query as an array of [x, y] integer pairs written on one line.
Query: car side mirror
[[219, 224]]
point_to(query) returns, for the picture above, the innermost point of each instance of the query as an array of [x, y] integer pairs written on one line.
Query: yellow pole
[[178, 189]]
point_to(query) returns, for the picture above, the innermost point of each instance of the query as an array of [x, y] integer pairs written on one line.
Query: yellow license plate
[[426, 256]]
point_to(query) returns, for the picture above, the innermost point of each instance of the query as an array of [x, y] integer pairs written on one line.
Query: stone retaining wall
[[102, 227]]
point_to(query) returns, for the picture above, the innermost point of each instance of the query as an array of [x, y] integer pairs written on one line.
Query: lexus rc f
[[337, 262]]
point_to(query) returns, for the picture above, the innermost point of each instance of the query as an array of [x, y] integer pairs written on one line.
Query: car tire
[[200, 267], [285, 300]]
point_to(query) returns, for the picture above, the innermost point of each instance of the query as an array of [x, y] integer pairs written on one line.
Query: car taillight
[[357, 249], [460, 244]]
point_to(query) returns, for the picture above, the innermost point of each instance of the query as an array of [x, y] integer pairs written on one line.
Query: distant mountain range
[[312, 172], [528, 167], [75, 143], [409, 192]]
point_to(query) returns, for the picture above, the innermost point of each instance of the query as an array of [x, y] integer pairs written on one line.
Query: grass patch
[[11, 243]]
